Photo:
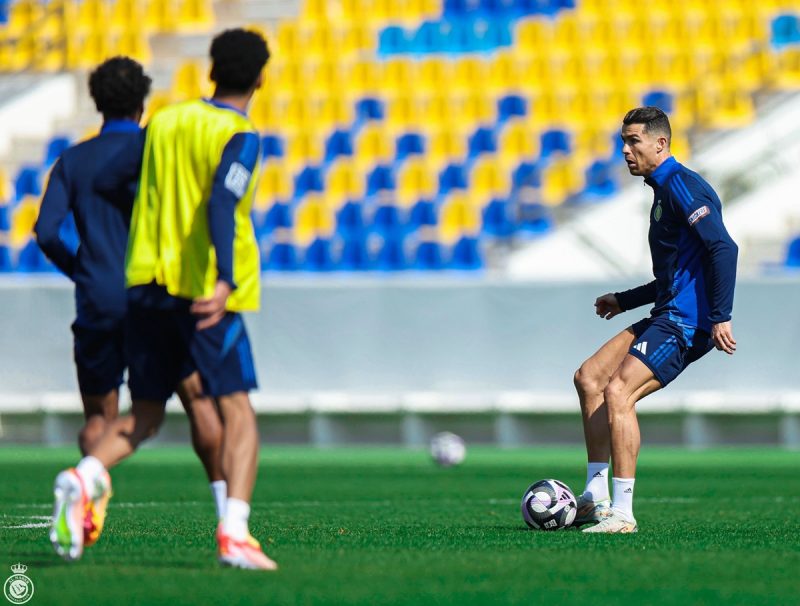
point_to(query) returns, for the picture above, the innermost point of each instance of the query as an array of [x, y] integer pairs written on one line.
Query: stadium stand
[[459, 123]]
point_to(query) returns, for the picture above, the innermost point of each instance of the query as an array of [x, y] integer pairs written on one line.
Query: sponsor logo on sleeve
[[237, 179], [699, 214]]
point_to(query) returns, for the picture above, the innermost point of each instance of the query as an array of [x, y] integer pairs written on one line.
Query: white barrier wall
[[398, 335]]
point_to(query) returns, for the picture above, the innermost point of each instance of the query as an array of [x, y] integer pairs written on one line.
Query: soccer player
[[694, 263], [119, 87], [192, 266]]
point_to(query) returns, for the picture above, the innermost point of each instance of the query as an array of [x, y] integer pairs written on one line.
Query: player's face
[[642, 150]]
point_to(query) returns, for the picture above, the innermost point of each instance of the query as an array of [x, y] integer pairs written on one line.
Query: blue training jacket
[[694, 257], [97, 267]]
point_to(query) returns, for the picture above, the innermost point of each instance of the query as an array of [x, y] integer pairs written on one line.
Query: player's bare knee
[[615, 396], [587, 382]]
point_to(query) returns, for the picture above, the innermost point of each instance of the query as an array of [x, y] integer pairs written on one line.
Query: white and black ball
[[548, 505], [448, 449]]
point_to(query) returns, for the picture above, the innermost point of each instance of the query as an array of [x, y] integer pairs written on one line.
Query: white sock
[[219, 490], [596, 481], [235, 522], [623, 495], [90, 469]]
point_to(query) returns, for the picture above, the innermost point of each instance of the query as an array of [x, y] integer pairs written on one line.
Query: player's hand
[[722, 335], [607, 306], [212, 310]]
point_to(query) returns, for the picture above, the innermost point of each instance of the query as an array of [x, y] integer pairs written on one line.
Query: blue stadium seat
[[340, 143], [785, 30], [422, 213], [318, 256], [497, 221], [393, 41], [661, 99], [534, 219], [32, 260], [27, 182], [355, 255], [600, 178], [555, 141], [428, 256], [282, 257], [4, 11], [5, 259], [391, 255], [466, 254], [369, 108], [5, 217], [278, 216], [350, 219], [793, 253], [309, 179], [452, 177], [272, 146], [55, 147], [482, 141], [387, 220], [511, 106], [430, 37], [409, 144], [527, 174], [381, 178]]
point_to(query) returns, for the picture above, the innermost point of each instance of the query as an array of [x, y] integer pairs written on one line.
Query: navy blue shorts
[[163, 343], [667, 348], [99, 358]]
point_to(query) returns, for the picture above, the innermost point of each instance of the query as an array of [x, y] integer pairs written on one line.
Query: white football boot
[[614, 522], [591, 511]]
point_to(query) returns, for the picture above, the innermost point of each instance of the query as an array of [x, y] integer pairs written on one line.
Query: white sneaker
[[615, 521], [591, 511], [71, 499]]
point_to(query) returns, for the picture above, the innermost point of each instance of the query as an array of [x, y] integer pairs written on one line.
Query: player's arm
[[231, 182], [119, 177], [706, 221], [53, 211], [612, 304]]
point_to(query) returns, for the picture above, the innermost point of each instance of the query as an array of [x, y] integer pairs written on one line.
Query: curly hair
[[119, 87], [237, 58]]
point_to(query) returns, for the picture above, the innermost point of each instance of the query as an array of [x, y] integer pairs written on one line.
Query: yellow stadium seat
[[92, 48], [264, 112], [458, 217], [5, 187], [363, 77], [356, 39], [22, 221], [402, 111], [128, 14], [189, 81], [304, 148], [134, 44], [562, 177], [397, 75], [155, 102], [274, 184], [489, 178], [344, 182], [314, 10], [329, 113], [373, 146], [447, 146], [416, 180], [439, 109], [294, 114], [467, 71], [597, 142], [323, 76], [504, 74], [288, 76], [161, 16], [287, 41], [722, 107], [475, 109], [533, 35], [518, 142], [317, 40], [431, 74], [313, 219], [785, 72], [195, 15]]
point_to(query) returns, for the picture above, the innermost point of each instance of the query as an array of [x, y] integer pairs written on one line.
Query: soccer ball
[[448, 449], [548, 505]]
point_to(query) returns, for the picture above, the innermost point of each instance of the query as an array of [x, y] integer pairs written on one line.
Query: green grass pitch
[[385, 526]]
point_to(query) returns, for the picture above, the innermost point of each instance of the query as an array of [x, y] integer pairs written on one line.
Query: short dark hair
[[237, 58], [653, 118], [119, 87]]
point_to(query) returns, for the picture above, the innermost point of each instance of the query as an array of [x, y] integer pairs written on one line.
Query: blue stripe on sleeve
[[682, 192], [249, 152]]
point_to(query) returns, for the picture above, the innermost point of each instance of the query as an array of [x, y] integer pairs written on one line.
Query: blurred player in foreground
[[192, 265], [119, 87], [694, 263]]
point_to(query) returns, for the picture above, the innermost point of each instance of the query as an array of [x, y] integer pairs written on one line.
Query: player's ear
[[661, 144]]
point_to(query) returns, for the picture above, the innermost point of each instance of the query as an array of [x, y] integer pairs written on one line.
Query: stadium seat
[[309, 180], [27, 182], [32, 260], [423, 213], [466, 254], [409, 144], [785, 30], [318, 256], [534, 219], [369, 108], [272, 146], [392, 40], [600, 179], [380, 179], [386, 220], [511, 106], [454, 176], [344, 182], [793, 254], [428, 255], [5, 259], [482, 141], [496, 219], [391, 254], [488, 178], [274, 184], [458, 216], [279, 216], [339, 143], [554, 142], [526, 174], [661, 99], [372, 146], [313, 219], [355, 254], [281, 257], [350, 219]]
